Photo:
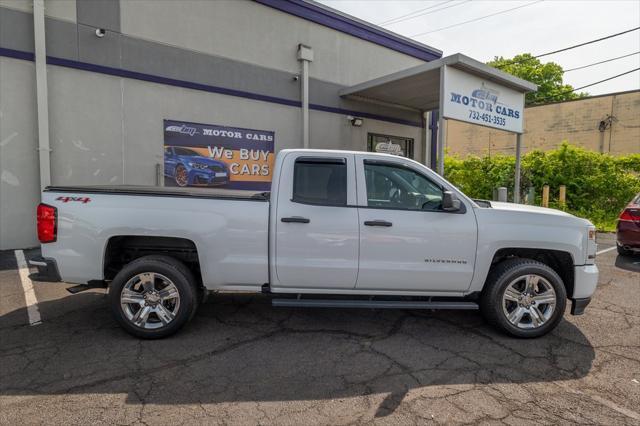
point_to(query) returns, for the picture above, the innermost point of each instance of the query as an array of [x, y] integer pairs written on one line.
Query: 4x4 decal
[[83, 200]]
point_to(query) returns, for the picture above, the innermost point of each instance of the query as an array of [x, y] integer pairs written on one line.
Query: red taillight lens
[[47, 223], [632, 215]]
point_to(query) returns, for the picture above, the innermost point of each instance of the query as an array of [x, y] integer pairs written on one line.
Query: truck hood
[[526, 209]]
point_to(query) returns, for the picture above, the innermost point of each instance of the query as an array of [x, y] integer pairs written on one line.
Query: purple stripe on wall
[[343, 24], [119, 72]]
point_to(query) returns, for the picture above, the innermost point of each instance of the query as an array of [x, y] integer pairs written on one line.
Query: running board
[[372, 304]]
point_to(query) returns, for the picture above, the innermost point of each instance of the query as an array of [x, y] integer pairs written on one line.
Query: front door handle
[[378, 223], [295, 219]]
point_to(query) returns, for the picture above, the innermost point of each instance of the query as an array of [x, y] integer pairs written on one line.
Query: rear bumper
[[586, 281], [628, 235], [47, 270]]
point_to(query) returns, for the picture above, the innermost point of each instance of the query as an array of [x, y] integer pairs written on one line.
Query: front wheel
[[181, 176], [153, 296], [523, 298]]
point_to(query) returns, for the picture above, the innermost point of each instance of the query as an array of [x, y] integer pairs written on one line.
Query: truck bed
[[163, 191]]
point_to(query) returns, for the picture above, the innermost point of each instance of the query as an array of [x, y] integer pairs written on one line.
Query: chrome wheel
[[182, 176], [150, 300], [529, 301]]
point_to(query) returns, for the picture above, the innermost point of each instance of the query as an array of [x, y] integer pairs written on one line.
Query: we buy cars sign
[[468, 98], [222, 156]]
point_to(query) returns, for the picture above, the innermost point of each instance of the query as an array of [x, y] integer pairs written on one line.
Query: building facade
[[607, 123], [117, 69]]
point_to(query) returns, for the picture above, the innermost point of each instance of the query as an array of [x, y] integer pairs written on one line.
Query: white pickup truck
[[338, 229]]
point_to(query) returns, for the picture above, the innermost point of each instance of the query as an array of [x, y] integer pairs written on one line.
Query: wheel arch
[[560, 261], [122, 249]]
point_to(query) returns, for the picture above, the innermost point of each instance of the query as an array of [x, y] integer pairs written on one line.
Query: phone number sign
[[472, 99]]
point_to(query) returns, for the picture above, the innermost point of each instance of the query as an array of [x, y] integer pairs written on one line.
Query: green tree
[[548, 77]]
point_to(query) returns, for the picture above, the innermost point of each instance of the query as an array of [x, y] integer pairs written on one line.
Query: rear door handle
[[378, 223], [295, 219]]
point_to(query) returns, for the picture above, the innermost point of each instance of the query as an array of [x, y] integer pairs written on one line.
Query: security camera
[[296, 77], [100, 32], [355, 121]]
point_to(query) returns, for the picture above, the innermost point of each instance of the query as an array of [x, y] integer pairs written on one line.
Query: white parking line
[[605, 250], [27, 287]]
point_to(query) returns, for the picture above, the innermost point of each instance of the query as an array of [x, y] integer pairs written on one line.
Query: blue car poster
[[209, 155]]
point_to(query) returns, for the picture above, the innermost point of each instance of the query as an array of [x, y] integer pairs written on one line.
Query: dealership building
[[92, 92]]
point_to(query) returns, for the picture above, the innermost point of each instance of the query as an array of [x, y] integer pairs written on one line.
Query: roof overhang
[[418, 88]]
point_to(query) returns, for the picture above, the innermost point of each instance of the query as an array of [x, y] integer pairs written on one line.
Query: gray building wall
[[106, 127]]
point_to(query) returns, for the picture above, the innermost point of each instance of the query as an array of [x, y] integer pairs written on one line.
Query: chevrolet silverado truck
[[339, 229]]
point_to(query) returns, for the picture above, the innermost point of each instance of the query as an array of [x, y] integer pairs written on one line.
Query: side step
[[84, 287], [373, 304]]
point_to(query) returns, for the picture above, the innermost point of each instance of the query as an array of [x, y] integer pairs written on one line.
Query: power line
[[415, 11], [477, 19], [521, 61], [585, 43], [585, 86], [602, 62], [395, 21]]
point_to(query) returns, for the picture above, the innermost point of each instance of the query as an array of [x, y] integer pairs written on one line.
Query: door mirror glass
[[450, 202]]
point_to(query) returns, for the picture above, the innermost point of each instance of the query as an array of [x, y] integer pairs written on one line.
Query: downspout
[[42, 100], [305, 55]]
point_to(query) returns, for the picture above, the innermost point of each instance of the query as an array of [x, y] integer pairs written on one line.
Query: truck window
[[320, 182], [397, 187]]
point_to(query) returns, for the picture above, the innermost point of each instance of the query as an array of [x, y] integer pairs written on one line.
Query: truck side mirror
[[450, 202]]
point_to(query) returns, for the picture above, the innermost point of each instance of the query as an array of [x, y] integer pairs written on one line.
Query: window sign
[[217, 156], [390, 145], [474, 100]]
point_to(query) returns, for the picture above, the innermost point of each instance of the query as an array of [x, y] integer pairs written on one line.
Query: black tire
[[622, 251], [178, 171], [504, 273], [179, 275]]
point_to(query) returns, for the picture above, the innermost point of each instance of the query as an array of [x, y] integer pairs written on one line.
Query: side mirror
[[450, 202]]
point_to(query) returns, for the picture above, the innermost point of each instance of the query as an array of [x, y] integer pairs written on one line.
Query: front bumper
[[585, 283], [47, 270], [207, 177]]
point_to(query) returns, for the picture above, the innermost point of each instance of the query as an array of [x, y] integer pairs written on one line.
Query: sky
[[534, 26]]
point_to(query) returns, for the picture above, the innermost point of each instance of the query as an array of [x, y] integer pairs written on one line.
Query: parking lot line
[[605, 250], [27, 286]]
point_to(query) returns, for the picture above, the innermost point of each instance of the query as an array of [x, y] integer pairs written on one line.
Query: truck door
[[407, 242], [316, 222]]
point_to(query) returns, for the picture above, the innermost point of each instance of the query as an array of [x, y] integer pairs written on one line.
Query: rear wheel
[[622, 251], [153, 296], [523, 298]]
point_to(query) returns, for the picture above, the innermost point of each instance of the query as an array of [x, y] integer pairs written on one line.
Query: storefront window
[[390, 145]]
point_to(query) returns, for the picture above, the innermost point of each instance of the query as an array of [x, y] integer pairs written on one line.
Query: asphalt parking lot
[[241, 361]]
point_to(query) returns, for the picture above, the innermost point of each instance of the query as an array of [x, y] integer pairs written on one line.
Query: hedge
[[598, 185]]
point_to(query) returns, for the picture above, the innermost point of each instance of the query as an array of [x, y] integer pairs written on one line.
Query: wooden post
[[545, 196], [562, 199]]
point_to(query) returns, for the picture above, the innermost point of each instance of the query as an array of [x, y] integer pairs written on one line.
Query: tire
[[523, 289], [153, 297], [622, 251], [179, 177]]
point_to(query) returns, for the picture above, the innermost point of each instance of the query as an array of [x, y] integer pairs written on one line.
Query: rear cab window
[[320, 181]]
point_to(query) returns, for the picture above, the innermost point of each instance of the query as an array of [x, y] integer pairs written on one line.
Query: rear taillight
[[47, 223], [630, 214]]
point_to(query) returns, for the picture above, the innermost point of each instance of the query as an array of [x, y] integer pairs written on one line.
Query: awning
[[419, 87]]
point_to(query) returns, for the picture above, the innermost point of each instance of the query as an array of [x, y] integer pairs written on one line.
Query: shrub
[[598, 185]]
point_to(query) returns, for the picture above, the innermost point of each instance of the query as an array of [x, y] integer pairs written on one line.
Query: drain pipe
[[305, 56], [42, 99]]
